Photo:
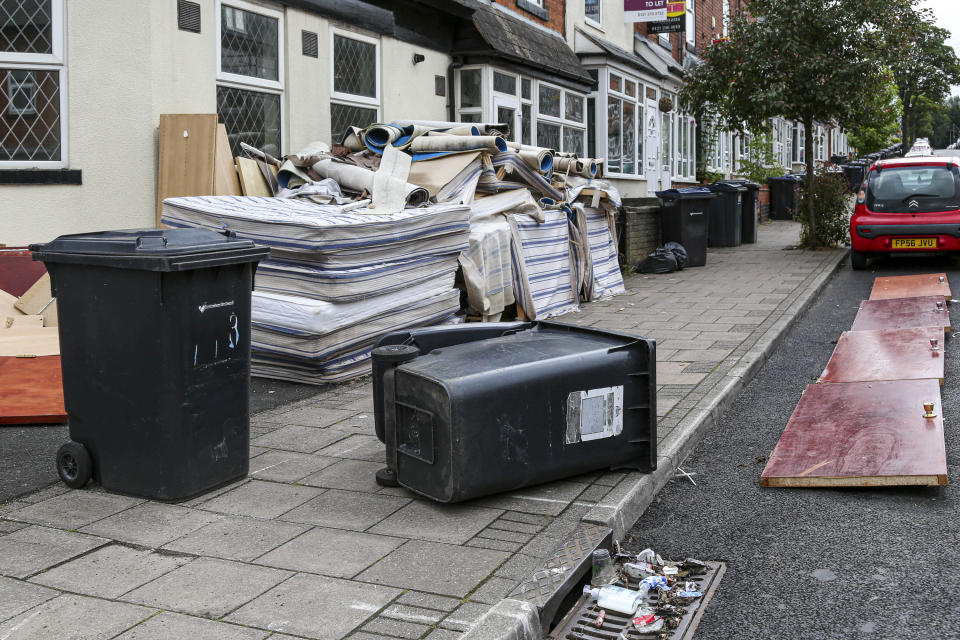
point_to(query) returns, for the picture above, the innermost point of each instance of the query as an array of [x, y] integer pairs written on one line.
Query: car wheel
[[858, 260]]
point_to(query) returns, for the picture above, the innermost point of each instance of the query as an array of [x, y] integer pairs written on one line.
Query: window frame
[[250, 82], [47, 62], [561, 120], [598, 23], [690, 16], [458, 88], [350, 98], [603, 94]]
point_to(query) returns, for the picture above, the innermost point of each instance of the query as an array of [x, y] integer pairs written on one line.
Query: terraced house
[[83, 83]]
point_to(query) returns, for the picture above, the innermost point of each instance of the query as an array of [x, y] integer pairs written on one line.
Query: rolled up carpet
[[586, 167], [457, 144], [359, 179], [482, 128], [539, 160]]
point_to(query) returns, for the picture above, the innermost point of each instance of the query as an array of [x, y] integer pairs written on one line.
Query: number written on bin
[[221, 337]]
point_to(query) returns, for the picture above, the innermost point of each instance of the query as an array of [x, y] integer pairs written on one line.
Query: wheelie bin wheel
[[74, 465]]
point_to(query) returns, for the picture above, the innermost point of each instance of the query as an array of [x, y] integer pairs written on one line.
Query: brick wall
[[641, 232], [555, 10]]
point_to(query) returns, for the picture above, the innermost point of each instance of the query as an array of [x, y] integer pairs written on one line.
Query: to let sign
[[652, 10], [670, 25]]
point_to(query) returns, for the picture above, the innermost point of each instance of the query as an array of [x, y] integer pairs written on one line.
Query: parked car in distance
[[905, 205]]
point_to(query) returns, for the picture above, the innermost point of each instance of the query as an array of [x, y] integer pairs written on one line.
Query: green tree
[[923, 65], [867, 137], [807, 60]]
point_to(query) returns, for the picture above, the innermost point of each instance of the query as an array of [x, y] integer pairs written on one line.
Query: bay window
[[624, 130]]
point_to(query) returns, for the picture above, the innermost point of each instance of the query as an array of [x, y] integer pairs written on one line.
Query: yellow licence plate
[[914, 243]]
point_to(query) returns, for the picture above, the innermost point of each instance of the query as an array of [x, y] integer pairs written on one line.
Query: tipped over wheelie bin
[[685, 218], [470, 410], [154, 331]]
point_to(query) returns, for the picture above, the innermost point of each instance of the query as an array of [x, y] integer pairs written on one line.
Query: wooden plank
[[7, 308], [891, 354], [924, 284], [861, 434], [251, 180], [32, 341], [226, 182], [18, 270], [31, 391], [38, 300], [187, 147], [902, 313]]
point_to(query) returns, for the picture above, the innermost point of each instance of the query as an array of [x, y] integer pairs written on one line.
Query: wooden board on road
[[901, 313], [861, 434], [31, 391], [924, 284], [890, 354]]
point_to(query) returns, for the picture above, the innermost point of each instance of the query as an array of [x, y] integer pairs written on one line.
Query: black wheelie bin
[[784, 197], [154, 331], [726, 214], [471, 410], [685, 218]]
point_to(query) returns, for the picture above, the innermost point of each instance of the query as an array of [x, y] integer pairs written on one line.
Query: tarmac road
[[815, 563]]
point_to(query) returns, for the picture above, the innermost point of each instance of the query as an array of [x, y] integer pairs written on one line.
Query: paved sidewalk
[[309, 546]]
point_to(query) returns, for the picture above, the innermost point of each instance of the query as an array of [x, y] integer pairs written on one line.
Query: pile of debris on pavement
[[404, 224]]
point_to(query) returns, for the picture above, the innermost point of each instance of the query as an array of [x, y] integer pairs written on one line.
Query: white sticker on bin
[[594, 414]]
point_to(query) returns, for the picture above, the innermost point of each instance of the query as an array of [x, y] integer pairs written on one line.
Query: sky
[[948, 17]]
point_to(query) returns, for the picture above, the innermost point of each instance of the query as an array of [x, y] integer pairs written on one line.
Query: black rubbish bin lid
[[150, 249], [687, 193], [789, 178], [727, 186]]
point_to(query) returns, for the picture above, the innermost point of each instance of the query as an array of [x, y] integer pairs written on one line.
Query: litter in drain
[[580, 623]]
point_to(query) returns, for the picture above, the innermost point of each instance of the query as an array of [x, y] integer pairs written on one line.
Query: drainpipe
[[451, 97]]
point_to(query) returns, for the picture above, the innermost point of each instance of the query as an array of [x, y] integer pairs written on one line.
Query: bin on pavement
[[854, 173], [750, 212], [726, 214], [468, 412], [784, 197], [155, 342], [685, 218]]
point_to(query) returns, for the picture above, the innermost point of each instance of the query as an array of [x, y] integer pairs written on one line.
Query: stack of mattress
[[337, 279]]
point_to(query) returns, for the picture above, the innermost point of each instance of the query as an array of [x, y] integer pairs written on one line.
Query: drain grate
[[579, 624]]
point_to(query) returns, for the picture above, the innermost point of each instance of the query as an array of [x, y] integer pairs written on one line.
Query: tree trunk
[[811, 186]]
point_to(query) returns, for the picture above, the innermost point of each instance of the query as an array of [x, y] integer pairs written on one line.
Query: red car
[[907, 205]]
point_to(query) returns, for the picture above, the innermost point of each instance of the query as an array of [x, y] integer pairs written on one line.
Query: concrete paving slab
[[438, 568], [424, 520], [74, 509], [331, 552], [260, 499], [546, 499], [357, 447], [237, 538], [313, 416], [34, 548], [408, 613], [208, 587], [345, 510], [353, 475], [388, 627], [109, 572], [297, 438], [151, 524], [464, 617], [315, 607], [17, 596], [72, 617], [170, 626], [428, 601], [287, 466]]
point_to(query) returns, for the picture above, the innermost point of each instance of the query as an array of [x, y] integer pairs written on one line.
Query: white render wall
[[127, 63]]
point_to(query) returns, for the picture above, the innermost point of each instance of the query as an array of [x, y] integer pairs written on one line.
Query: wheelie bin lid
[[151, 249], [726, 186], [687, 193], [787, 178]]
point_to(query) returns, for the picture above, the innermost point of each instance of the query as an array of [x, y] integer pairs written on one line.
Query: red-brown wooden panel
[[31, 390], [18, 271], [861, 434], [924, 284], [891, 354], [900, 313]]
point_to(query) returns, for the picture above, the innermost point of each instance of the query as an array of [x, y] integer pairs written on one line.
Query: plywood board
[[18, 270], [187, 147], [924, 284], [890, 354], [861, 434], [31, 391], [7, 308], [900, 313], [32, 341], [251, 180], [226, 182]]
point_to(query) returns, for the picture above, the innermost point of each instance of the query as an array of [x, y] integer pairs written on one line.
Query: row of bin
[[723, 214]]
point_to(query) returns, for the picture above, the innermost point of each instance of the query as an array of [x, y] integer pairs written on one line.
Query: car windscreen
[[919, 189]]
